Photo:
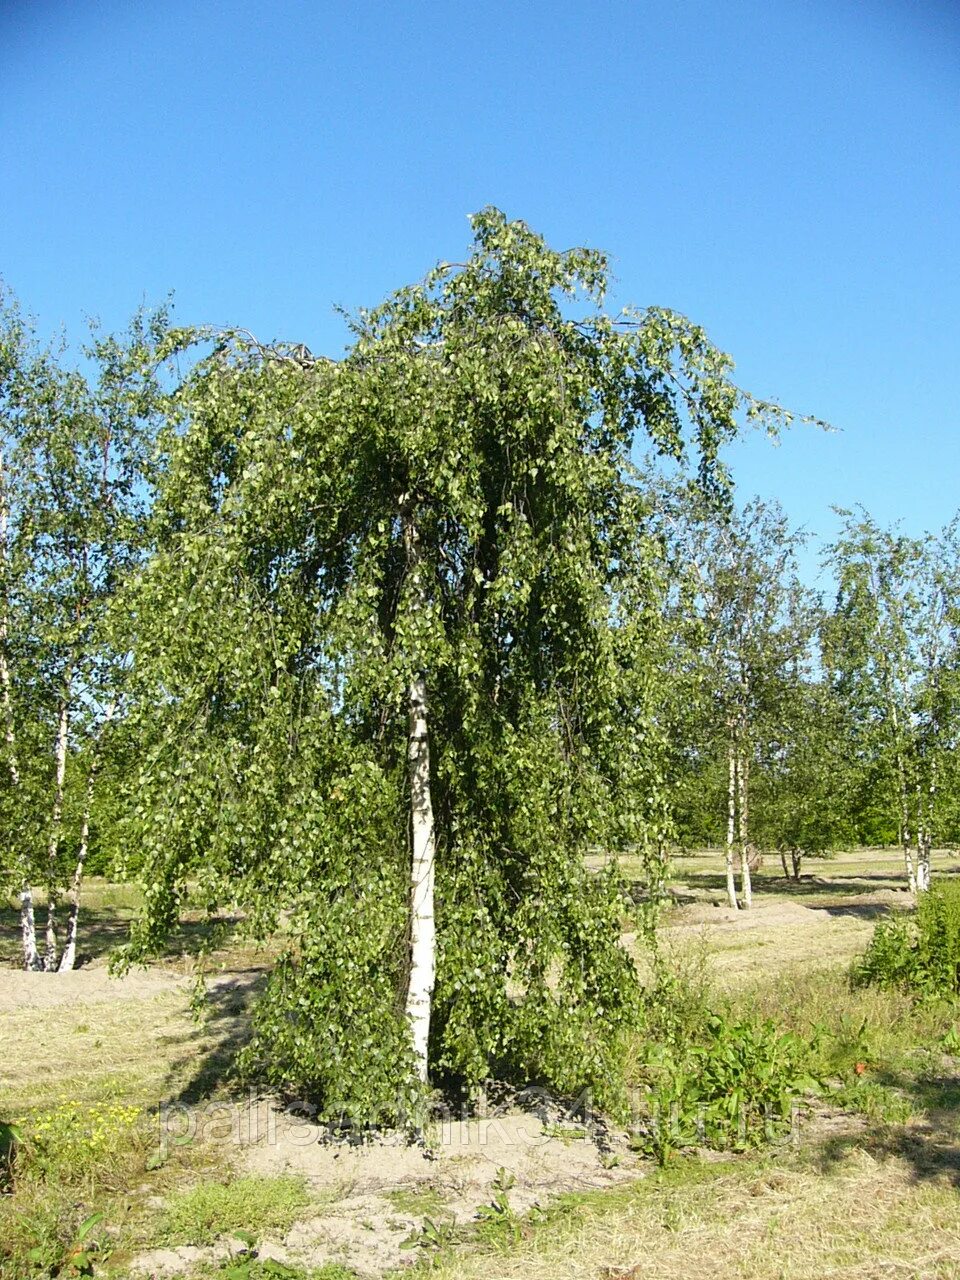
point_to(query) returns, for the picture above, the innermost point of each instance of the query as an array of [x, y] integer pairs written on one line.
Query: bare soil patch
[[374, 1198]]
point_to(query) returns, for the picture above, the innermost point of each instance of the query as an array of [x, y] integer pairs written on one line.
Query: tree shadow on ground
[[929, 1144], [860, 910], [810, 885], [222, 1031], [929, 1152]]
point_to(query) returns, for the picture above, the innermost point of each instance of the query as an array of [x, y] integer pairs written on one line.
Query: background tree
[[803, 786], [73, 500], [892, 653], [742, 627]]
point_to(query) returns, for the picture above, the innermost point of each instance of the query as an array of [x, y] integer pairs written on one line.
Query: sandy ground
[[374, 1197]]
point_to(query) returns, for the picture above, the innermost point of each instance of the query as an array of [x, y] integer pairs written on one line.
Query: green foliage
[[890, 649], [75, 459], [10, 1138], [890, 959], [732, 1089], [711, 1078], [248, 1265], [920, 954]]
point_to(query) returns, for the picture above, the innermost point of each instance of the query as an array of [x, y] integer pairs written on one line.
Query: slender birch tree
[[73, 496], [739, 648], [892, 652]]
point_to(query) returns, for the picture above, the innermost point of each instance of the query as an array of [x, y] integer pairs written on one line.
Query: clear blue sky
[[786, 172]]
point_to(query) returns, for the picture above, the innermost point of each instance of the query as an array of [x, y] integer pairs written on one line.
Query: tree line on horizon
[[374, 650]]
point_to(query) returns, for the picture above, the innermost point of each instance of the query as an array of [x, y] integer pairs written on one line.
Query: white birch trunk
[[731, 826], [28, 931], [56, 823], [28, 927], [744, 834], [69, 957], [423, 959], [926, 841], [422, 924], [908, 864]]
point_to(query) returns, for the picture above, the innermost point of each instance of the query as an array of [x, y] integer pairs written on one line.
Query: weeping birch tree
[[393, 672]]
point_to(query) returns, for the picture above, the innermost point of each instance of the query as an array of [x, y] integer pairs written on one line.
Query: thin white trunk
[[69, 957], [422, 924], [925, 842], [744, 833], [28, 928], [56, 824], [905, 842], [731, 825], [908, 863], [423, 949]]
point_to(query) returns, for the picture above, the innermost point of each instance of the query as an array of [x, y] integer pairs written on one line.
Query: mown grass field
[[867, 1184]]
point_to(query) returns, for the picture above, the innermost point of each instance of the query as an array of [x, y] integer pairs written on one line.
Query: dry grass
[[858, 1198], [791, 1219]]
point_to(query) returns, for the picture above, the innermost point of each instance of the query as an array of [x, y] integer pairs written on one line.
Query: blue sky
[[787, 173]]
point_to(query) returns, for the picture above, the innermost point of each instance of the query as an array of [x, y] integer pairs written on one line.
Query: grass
[[423, 1201], [869, 1191], [202, 1213], [790, 1218]]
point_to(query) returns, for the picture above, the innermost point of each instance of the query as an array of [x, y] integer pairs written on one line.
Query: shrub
[[732, 1090], [922, 954]]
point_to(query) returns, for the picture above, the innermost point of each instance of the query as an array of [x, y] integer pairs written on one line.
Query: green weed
[[253, 1204]]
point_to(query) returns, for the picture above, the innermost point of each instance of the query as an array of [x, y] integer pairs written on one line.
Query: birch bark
[[423, 845], [731, 824], [28, 928], [69, 956], [56, 823], [743, 830]]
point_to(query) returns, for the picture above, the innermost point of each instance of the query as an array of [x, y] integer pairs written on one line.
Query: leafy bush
[[732, 1089], [922, 954], [722, 1080]]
